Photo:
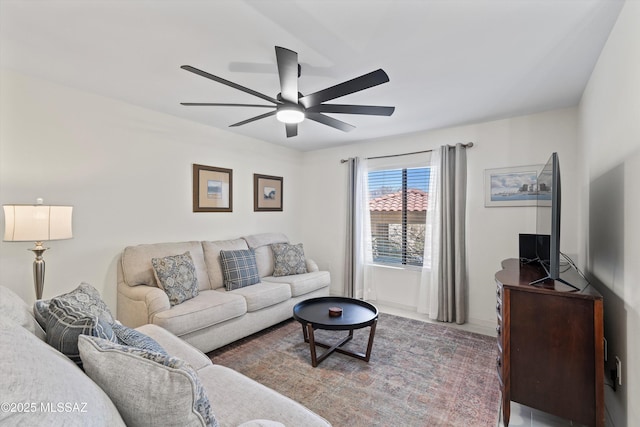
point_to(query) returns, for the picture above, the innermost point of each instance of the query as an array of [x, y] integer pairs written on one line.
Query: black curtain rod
[[467, 145]]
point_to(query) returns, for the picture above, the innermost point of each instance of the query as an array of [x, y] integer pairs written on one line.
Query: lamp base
[[38, 269]]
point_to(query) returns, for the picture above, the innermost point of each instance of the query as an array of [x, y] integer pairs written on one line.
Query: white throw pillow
[[148, 388]]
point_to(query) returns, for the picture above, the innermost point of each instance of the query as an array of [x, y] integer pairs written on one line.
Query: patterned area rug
[[420, 374]]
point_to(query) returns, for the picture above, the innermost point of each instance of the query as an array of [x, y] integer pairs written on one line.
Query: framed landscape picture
[[515, 186], [267, 193], [212, 189]]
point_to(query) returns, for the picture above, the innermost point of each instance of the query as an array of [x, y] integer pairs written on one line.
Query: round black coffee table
[[356, 314]]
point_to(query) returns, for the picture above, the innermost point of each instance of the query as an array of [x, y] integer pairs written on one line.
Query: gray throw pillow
[[239, 268], [176, 275], [79, 312], [288, 259], [148, 388]]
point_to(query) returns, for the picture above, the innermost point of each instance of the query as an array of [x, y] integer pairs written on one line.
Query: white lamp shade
[[37, 223]]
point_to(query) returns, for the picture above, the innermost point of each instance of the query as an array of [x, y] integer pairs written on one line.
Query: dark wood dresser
[[550, 344]]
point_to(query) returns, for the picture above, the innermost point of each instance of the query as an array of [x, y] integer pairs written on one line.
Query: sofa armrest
[[138, 304], [311, 265]]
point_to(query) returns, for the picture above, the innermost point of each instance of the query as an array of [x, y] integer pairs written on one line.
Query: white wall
[[610, 231], [492, 233], [128, 173]]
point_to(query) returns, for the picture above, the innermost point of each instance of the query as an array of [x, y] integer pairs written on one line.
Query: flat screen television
[[548, 210]]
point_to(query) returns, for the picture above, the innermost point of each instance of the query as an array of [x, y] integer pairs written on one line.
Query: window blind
[[398, 199]]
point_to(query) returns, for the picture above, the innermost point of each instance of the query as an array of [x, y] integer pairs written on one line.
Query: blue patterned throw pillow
[[176, 275], [288, 259], [41, 312], [79, 312], [239, 268], [133, 338]]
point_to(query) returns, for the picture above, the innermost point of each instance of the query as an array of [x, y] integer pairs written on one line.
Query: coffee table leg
[[312, 344], [309, 337], [372, 333]]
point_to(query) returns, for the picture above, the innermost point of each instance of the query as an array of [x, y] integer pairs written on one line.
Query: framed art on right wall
[[514, 186], [267, 193]]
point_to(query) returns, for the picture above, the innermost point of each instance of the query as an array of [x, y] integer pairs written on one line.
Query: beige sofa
[[215, 317], [41, 386]]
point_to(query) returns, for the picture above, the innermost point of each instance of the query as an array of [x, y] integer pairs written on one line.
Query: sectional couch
[[42, 386], [215, 316]]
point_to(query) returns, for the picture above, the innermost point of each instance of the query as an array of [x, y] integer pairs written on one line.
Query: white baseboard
[[479, 326]]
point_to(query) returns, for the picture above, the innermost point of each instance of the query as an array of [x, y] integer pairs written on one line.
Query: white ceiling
[[450, 62]]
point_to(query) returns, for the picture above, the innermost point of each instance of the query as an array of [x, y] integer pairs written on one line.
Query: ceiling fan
[[291, 107]]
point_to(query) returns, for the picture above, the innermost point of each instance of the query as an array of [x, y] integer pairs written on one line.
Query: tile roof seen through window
[[416, 201]]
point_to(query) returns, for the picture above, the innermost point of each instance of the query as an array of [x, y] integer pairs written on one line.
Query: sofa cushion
[[230, 393], [261, 244], [14, 307], [176, 275], [136, 267], [256, 241], [212, 256], [34, 372], [79, 312], [134, 338], [303, 283], [263, 295], [239, 268], [203, 311], [148, 388], [288, 259], [261, 423]]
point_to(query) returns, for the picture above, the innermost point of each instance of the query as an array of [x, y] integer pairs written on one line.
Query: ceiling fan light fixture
[[290, 114]]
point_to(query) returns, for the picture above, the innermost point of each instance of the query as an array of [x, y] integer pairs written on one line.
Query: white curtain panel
[[358, 230], [432, 229], [365, 254], [350, 247]]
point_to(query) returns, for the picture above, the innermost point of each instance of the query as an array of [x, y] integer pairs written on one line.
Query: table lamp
[[37, 223]]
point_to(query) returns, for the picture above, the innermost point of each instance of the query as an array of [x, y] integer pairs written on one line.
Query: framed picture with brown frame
[[212, 189], [267, 193]]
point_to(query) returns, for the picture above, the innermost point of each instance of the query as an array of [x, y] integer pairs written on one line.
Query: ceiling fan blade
[[292, 129], [288, 72], [329, 121], [253, 119], [371, 110], [228, 83], [365, 81], [217, 104]]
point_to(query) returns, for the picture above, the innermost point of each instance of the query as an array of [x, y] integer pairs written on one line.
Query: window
[[398, 208]]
